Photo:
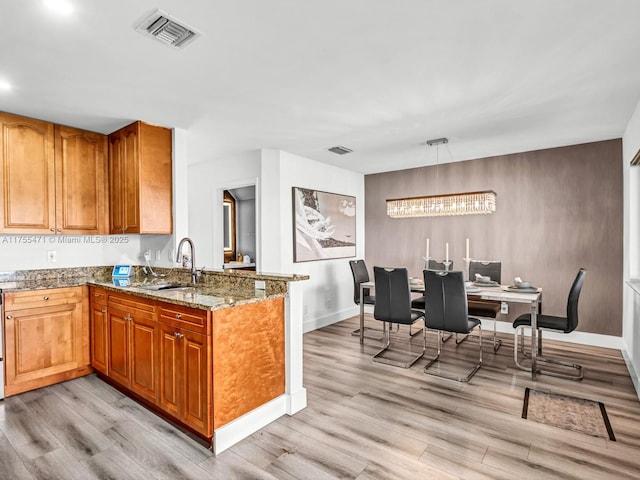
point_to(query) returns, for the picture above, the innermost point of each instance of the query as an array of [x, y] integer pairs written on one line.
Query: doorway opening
[[239, 227]]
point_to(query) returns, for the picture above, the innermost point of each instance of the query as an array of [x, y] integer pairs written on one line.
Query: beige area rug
[[570, 413]]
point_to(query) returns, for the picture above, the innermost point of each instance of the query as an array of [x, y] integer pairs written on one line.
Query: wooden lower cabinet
[[133, 345], [46, 337], [157, 351], [185, 377], [99, 329]]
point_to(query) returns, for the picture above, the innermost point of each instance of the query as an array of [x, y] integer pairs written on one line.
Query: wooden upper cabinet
[[27, 175], [81, 181], [52, 178], [140, 179]]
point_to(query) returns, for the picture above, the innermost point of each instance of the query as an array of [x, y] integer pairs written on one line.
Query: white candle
[[467, 249], [427, 255], [446, 252]]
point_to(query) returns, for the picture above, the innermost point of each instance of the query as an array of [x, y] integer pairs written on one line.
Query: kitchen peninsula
[[222, 358]]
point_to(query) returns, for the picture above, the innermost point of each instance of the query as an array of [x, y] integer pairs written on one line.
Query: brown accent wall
[[557, 210]]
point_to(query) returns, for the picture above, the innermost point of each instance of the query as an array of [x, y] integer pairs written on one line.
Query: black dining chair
[[554, 324], [418, 302], [361, 275], [489, 309], [393, 305], [446, 311]]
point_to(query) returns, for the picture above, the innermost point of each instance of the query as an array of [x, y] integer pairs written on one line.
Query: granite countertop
[[214, 290], [204, 297]]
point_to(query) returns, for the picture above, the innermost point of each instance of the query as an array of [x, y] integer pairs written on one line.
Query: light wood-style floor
[[363, 421]]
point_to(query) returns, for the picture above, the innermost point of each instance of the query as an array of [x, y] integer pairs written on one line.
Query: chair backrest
[[493, 270], [445, 301], [435, 265], [572, 301], [393, 297], [360, 274]]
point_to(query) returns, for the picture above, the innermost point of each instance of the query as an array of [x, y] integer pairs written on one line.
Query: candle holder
[[426, 262], [447, 264], [467, 262]]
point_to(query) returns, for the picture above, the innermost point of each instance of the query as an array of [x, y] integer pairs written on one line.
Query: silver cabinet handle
[[58, 229], [178, 316], [52, 229], [128, 318], [178, 335], [9, 317], [104, 310], [45, 298]]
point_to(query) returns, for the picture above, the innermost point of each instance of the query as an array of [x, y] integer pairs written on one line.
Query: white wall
[[328, 294], [80, 250], [207, 181], [631, 300]]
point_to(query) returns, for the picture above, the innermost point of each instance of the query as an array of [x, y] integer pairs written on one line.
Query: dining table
[[500, 293]]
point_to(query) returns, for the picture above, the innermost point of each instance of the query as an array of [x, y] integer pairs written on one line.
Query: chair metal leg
[[356, 333], [411, 334], [497, 343], [540, 359], [469, 374], [379, 358]]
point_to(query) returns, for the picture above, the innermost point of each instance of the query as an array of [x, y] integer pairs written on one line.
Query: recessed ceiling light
[[4, 86], [63, 7]]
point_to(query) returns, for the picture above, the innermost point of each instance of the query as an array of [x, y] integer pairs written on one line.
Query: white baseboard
[[296, 401], [249, 423], [319, 322], [582, 338]]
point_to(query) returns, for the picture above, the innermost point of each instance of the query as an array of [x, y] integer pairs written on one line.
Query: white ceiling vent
[[340, 150], [167, 29]]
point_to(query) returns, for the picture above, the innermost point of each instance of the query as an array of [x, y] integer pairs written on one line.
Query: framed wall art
[[324, 225]]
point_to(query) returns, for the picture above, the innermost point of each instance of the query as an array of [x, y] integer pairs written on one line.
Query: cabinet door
[[130, 180], [116, 164], [27, 176], [119, 356], [99, 337], [171, 366], [81, 187], [197, 382], [124, 180], [42, 341], [144, 362]]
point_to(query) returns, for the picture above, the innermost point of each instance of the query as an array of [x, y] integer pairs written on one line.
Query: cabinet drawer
[[185, 317], [97, 295], [42, 298], [137, 306]]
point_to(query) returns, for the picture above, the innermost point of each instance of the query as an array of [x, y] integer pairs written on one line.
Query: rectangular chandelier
[[468, 203]]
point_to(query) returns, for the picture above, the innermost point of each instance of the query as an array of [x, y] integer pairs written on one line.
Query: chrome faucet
[[194, 271]]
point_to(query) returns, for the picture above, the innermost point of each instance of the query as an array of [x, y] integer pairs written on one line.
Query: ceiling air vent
[[167, 29], [340, 150]]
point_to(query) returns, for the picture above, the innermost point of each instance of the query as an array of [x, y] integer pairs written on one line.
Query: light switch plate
[[504, 308]]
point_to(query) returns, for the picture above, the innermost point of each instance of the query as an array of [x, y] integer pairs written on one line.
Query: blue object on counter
[[122, 271]]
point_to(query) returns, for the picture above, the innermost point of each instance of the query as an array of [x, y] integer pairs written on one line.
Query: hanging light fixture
[[467, 203]]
